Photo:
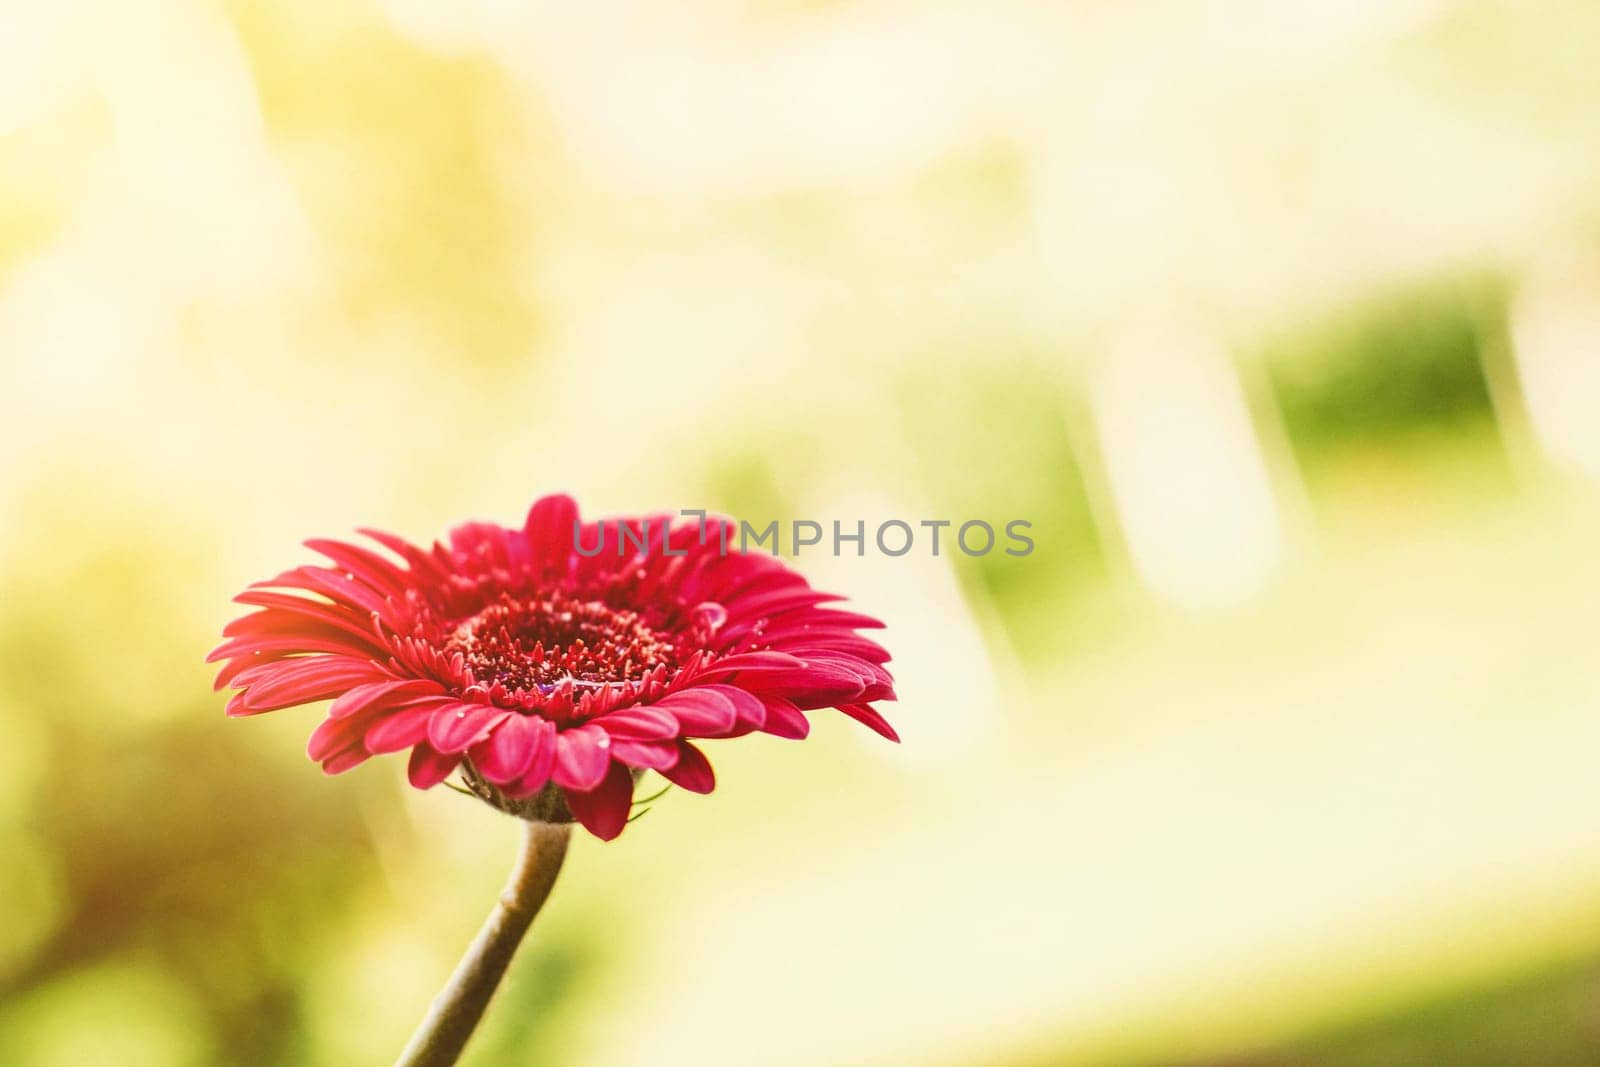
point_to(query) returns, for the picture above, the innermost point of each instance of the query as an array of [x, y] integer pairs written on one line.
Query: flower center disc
[[539, 643]]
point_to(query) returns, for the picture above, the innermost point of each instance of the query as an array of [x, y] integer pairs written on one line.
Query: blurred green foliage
[[397, 152], [1406, 366], [182, 889], [993, 441], [1547, 1018], [218, 884]]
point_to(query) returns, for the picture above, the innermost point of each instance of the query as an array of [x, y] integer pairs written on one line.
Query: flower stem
[[458, 1007]]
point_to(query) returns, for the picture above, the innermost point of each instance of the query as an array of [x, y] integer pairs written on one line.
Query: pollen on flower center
[[540, 642]]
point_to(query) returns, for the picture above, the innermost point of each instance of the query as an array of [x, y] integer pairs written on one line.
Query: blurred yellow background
[[1280, 321]]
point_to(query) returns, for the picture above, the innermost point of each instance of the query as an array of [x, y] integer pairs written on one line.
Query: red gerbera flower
[[551, 676]]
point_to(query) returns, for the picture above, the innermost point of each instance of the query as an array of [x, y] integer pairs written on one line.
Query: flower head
[[550, 671]]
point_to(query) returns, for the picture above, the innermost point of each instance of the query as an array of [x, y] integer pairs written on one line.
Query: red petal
[[776, 602], [844, 642], [756, 662], [400, 729], [650, 755], [334, 585], [544, 760], [852, 619], [333, 735], [638, 724], [864, 713], [692, 771], [364, 564], [455, 728], [748, 707], [549, 531], [305, 679], [701, 711], [343, 760], [416, 558], [604, 810], [276, 646], [818, 686], [384, 693], [785, 720], [581, 758], [508, 750], [429, 768], [282, 610], [482, 541]]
